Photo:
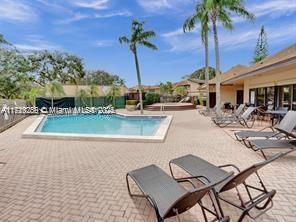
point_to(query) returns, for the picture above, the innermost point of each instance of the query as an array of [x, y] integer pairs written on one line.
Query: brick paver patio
[[55, 180]]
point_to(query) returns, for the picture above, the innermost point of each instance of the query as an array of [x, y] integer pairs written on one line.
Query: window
[[261, 97], [294, 98], [284, 96], [270, 98]]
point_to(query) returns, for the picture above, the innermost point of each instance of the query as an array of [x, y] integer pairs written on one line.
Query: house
[[270, 83], [133, 92], [193, 86]]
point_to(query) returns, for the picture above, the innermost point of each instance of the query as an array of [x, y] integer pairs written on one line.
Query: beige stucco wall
[[283, 76], [71, 90], [228, 93], [194, 89]]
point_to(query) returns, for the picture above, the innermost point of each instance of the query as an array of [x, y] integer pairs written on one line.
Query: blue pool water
[[102, 124]]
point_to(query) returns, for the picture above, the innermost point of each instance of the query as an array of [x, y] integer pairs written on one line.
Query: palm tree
[[201, 15], [221, 11], [54, 88], [113, 92], [30, 96], [82, 95], [93, 92], [138, 37]]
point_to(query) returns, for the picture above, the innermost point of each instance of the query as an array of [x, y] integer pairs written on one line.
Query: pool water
[[102, 124]]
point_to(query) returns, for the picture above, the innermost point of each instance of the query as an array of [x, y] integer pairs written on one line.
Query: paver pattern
[[60, 180]]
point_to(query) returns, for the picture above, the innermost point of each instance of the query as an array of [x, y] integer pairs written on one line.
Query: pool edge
[[159, 137]]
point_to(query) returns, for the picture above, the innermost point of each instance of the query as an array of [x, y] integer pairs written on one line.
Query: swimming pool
[[118, 127]]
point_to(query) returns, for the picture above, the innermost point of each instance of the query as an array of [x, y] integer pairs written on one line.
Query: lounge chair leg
[[263, 154]]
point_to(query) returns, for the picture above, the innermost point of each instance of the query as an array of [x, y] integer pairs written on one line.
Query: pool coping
[[160, 135]]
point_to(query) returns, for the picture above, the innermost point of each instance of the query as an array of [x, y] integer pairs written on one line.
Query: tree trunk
[[139, 80], [207, 72], [218, 76], [52, 102]]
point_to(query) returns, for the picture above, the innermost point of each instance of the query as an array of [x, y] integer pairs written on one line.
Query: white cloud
[[103, 43], [93, 4], [76, 17], [36, 43], [273, 8], [114, 14], [16, 11], [158, 5], [239, 38]]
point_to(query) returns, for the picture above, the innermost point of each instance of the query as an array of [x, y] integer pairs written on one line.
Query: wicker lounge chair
[[246, 119], [265, 144], [282, 131], [262, 202], [167, 196]]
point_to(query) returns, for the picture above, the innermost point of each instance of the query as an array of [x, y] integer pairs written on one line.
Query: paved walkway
[[55, 180]]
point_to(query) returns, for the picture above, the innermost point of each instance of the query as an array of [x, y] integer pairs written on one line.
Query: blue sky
[[90, 29]]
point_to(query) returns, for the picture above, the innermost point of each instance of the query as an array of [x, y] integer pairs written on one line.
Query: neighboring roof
[[284, 57], [187, 82], [234, 71], [144, 87]]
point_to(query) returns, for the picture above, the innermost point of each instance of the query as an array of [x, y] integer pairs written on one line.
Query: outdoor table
[[277, 114]]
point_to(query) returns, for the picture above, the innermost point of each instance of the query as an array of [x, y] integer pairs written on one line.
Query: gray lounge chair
[[282, 131], [167, 196], [194, 165], [236, 113], [265, 144], [246, 119]]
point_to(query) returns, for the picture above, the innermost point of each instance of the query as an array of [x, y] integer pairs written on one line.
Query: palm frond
[[148, 45], [146, 35], [124, 39], [224, 18]]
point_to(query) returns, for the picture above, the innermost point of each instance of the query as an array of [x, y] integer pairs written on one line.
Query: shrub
[[152, 98], [132, 102]]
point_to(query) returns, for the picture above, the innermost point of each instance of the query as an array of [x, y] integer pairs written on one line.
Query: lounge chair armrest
[[230, 165], [267, 127], [273, 135], [154, 205], [182, 179]]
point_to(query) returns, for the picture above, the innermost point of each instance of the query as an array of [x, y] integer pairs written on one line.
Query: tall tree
[[103, 78], [138, 37], [201, 74], [201, 15], [54, 88], [48, 66], [221, 11], [261, 50], [113, 92], [93, 92]]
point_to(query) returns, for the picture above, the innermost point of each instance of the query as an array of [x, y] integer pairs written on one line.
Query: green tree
[[13, 73], [93, 92], [82, 95], [54, 88], [166, 89], [48, 66], [201, 15], [181, 91], [221, 11], [103, 78], [113, 93], [138, 37], [31, 95], [201, 73], [261, 50]]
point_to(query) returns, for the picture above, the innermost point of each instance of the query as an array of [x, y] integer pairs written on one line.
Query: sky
[[90, 29]]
